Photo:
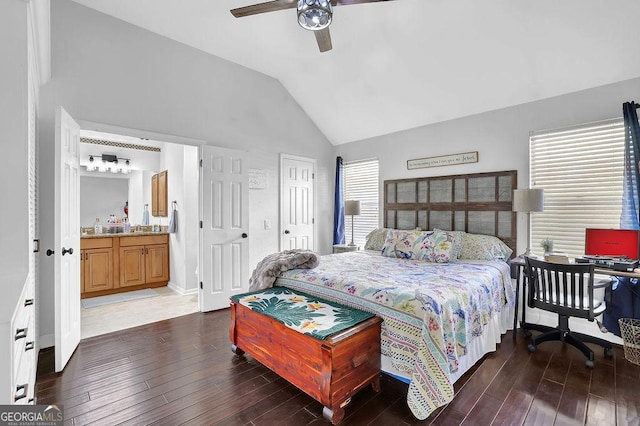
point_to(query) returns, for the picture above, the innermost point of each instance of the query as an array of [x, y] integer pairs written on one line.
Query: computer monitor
[[611, 242]]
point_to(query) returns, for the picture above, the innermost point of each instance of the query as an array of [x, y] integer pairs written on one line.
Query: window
[[581, 171], [361, 183]]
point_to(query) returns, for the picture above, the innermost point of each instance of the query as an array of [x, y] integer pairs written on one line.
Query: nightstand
[[343, 248]]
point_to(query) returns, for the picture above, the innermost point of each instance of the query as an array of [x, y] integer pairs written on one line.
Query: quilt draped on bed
[[430, 311], [269, 268]]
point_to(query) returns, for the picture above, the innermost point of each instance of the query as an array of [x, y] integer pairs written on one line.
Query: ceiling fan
[[313, 15]]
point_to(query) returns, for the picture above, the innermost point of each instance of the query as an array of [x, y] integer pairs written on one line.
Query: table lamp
[[352, 208], [527, 201]]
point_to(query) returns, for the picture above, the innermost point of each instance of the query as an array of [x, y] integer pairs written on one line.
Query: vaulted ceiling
[[407, 63]]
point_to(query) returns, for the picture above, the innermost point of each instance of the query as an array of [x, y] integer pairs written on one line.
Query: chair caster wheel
[[588, 363], [531, 348], [608, 352]]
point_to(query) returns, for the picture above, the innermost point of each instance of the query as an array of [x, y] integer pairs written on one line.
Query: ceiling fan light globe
[[314, 15]]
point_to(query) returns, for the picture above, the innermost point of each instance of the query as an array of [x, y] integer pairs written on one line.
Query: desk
[[517, 272]]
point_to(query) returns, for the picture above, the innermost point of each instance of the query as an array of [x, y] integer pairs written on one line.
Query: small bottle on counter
[[126, 225], [97, 227]]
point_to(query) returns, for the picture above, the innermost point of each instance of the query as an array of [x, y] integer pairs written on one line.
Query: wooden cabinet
[[144, 260], [159, 203], [96, 260], [117, 264]]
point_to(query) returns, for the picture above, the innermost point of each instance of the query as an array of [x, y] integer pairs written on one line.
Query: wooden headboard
[[479, 203]]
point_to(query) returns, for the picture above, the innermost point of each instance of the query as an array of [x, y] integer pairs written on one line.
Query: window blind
[[361, 182], [581, 171]]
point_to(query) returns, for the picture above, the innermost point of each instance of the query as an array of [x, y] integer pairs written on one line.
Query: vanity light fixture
[[110, 163]]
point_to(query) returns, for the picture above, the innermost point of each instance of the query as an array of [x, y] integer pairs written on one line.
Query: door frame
[[284, 157], [145, 134]]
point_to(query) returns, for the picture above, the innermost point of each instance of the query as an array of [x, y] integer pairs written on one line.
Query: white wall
[[14, 125], [108, 71]]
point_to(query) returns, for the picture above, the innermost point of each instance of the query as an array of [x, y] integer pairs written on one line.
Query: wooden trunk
[[330, 371]]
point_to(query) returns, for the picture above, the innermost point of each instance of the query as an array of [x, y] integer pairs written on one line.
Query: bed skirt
[[476, 349]]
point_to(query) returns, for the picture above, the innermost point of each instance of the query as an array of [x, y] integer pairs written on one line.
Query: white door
[[224, 250], [298, 203], [67, 238]]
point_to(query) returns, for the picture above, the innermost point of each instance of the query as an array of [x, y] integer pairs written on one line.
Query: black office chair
[[566, 289]]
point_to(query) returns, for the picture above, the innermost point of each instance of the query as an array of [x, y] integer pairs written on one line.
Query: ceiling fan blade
[[269, 6], [348, 2], [323, 37]]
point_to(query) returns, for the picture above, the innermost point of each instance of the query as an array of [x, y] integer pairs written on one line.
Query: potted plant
[[547, 245]]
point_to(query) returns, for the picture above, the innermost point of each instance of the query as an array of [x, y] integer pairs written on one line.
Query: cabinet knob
[[244, 235], [49, 252], [65, 251], [286, 231]]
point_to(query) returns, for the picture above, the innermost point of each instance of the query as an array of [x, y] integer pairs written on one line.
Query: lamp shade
[[352, 207], [528, 200]]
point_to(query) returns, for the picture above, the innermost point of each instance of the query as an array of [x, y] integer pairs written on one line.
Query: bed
[[445, 294]]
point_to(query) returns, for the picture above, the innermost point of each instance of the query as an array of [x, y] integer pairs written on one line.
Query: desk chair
[[566, 289]]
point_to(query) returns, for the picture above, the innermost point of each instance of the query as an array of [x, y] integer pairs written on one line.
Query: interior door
[[67, 238], [298, 203], [224, 250]]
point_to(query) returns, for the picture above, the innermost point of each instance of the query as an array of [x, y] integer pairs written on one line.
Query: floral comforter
[[431, 311]]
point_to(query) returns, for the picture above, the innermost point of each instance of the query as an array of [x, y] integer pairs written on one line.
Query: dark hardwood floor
[[182, 371]]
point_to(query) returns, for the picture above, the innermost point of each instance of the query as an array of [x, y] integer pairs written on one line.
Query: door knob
[[244, 235], [49, 252], [286, 231], [65, 251]]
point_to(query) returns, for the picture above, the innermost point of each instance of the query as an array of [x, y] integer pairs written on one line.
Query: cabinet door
[[159, 202], [154, 195], [132, 266], [162, 194], [98, 269], [157, 263]]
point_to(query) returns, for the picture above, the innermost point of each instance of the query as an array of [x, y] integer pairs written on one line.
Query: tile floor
[[119, 316]]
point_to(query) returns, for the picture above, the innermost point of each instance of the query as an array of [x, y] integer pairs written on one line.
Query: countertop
[[124, 234]]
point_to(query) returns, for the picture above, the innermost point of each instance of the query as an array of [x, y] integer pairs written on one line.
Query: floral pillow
[[435, 246], [484, 247], [432, 246], [375, 239], [399, 243], [457, 238]]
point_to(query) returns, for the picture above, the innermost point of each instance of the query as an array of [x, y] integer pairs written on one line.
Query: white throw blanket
[[272, 266]]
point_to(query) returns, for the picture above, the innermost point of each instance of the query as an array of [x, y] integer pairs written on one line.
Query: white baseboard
[[181, 291]]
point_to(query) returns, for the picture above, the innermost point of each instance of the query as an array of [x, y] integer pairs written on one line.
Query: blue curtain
[[629, 216], [338, 205]]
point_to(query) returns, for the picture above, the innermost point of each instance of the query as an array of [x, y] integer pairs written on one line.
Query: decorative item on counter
[[126, 209], [97, 227], [145, 215], [126, 225], [547, 245]]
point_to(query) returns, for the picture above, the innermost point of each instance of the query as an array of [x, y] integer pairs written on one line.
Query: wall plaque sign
[[443, 160], [257, 179]]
